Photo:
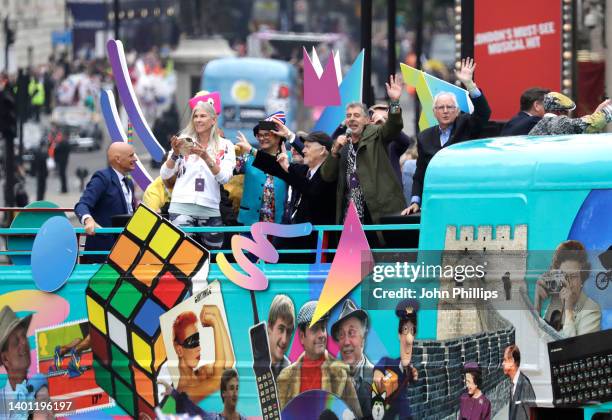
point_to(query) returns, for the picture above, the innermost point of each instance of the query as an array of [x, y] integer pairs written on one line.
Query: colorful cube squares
[[144, 386], [144, 408], [125, 299], [104, 281], [117, 332], [186, 257], [169, 289], [124, 396], [147, 318], [142, 223], [99, 346], [159, 353], [124, 253], [147, 268], [103, 377], [96, 314], [143, 354], [121, 364], [164, 240], [148, 272]]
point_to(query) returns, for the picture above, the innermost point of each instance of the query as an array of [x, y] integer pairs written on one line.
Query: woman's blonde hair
[[190, 131]]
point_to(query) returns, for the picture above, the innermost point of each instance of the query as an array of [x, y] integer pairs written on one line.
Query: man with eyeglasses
[[394, 375], [315, 368], [453, 127], [349, 331]]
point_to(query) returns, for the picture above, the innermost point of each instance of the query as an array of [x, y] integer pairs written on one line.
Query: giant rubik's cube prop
[[148, 271]]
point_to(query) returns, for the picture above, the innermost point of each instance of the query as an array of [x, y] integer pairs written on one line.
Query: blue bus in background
[[251, 89]]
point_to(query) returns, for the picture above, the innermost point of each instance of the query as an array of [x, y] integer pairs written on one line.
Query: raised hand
[[394, 87], [606, 103], [282, 158], [281, 129], [243, 143], [466, 72]]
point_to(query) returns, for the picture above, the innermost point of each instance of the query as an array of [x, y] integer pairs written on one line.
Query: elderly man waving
[[453, 127]]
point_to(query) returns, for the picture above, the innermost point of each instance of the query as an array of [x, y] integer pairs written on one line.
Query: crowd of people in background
[[60, 101]]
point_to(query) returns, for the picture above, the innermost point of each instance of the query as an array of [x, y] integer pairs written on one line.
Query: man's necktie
[[129, 205]]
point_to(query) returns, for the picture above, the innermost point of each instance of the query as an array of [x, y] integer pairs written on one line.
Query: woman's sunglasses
[[191, 342]]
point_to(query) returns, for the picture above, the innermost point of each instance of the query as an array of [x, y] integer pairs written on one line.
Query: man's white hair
[[451, 94]]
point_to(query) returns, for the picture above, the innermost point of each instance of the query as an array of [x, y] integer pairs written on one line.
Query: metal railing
[[319, 229]]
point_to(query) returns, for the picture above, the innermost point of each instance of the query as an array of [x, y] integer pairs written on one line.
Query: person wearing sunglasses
[[453, 127], [199, 382]]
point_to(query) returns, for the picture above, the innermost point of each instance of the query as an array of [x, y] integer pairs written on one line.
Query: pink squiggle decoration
[[261, 247]]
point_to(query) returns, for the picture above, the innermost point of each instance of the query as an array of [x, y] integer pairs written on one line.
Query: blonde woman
[[202, 160]]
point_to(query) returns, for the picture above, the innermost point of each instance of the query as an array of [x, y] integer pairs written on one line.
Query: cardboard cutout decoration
[[427, 87], [350, 91], [352, 262], [151, 268], [65, 356], [320, 86], [116, 57], [198, 343], [55, 241]]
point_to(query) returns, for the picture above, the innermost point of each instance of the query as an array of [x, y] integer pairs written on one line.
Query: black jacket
[[318, 197], [465, 127], [521, 123]]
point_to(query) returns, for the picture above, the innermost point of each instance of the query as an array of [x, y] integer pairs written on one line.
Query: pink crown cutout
[[321, 86], [214, 98]]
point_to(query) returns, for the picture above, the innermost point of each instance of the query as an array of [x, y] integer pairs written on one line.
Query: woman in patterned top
[[264, 196], [202, 160]]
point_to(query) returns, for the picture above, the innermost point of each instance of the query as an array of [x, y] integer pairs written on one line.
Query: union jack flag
[[280, 115]]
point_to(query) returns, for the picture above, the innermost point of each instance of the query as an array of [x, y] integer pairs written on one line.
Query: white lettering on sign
[[518, 38]]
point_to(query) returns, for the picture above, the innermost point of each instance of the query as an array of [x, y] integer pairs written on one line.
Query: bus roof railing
[[319, 229]]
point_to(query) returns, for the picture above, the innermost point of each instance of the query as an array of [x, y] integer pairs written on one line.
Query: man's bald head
[[121, 156]]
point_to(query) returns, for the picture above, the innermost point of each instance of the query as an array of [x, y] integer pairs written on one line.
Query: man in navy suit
[[453, 127], [109, 192], [532, 111]]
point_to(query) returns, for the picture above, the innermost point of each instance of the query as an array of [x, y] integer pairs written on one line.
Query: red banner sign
[[517, 45]]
